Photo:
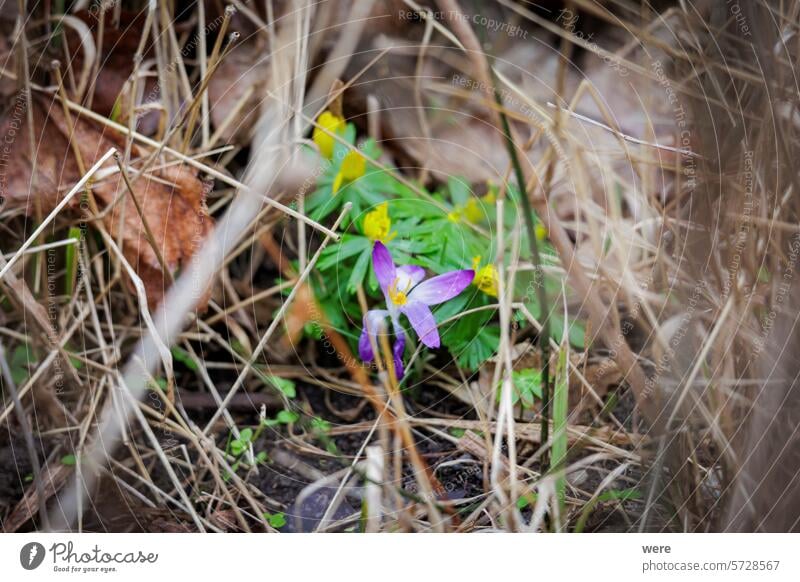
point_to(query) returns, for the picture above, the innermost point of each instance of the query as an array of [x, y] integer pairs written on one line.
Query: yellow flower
[[353, 167], [332, 123], [485, 278], [473, 211], [540, 231], [378, 225]]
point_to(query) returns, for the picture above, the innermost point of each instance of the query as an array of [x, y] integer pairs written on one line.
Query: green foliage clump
[[451, 228]]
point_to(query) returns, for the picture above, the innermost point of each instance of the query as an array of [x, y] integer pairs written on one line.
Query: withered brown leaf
[[172, 197]]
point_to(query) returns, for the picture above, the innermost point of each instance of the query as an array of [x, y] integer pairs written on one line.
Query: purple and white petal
[[409, 275], [382, 263], [421, 319], [397, 350], [372, 322], [441, 288]]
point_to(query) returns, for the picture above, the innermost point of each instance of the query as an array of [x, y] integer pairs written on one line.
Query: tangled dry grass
[[158, 373]]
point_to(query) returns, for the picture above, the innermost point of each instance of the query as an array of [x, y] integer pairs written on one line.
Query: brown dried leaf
[[172, 199]]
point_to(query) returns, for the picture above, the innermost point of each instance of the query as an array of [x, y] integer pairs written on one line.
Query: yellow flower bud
[[455, 214], [541, 232], [354, 165], [473, 211], [332, 123], [486, 278], [378, 225]]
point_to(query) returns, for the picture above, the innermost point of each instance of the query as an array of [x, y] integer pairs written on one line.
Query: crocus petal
[[441, 288], [421, 319], [409, 275], [382, 262], [398, 349], [372, 321]]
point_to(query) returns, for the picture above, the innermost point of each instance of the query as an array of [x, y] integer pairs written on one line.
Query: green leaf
[[527, 386], [350, 246], [450, 308], [287, 416], [576, 331], [460, 190], [312, 330], [319, 198], [370, 149], [240, 445], [472, 352], [286, 387], [182, 356], [472, 339], [68, 460], [276, 520], [320, 425], [71, 259], [577, 335], [560, 407], [359, 271], [116, 109], [410, 206]]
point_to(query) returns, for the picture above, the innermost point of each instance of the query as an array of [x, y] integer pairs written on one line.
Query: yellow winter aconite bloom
[[473, 211], [332, 123], [353, 167], [485, 278], [378, 225], [455, 214]]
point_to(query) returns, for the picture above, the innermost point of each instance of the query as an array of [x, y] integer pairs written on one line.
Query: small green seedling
[[527, 387], [276, 520], [284, 386], [238, 446], [527, 500], [283, 417], [320, 429]]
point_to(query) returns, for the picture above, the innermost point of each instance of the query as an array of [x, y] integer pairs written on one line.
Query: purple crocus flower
[[407, 293]]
